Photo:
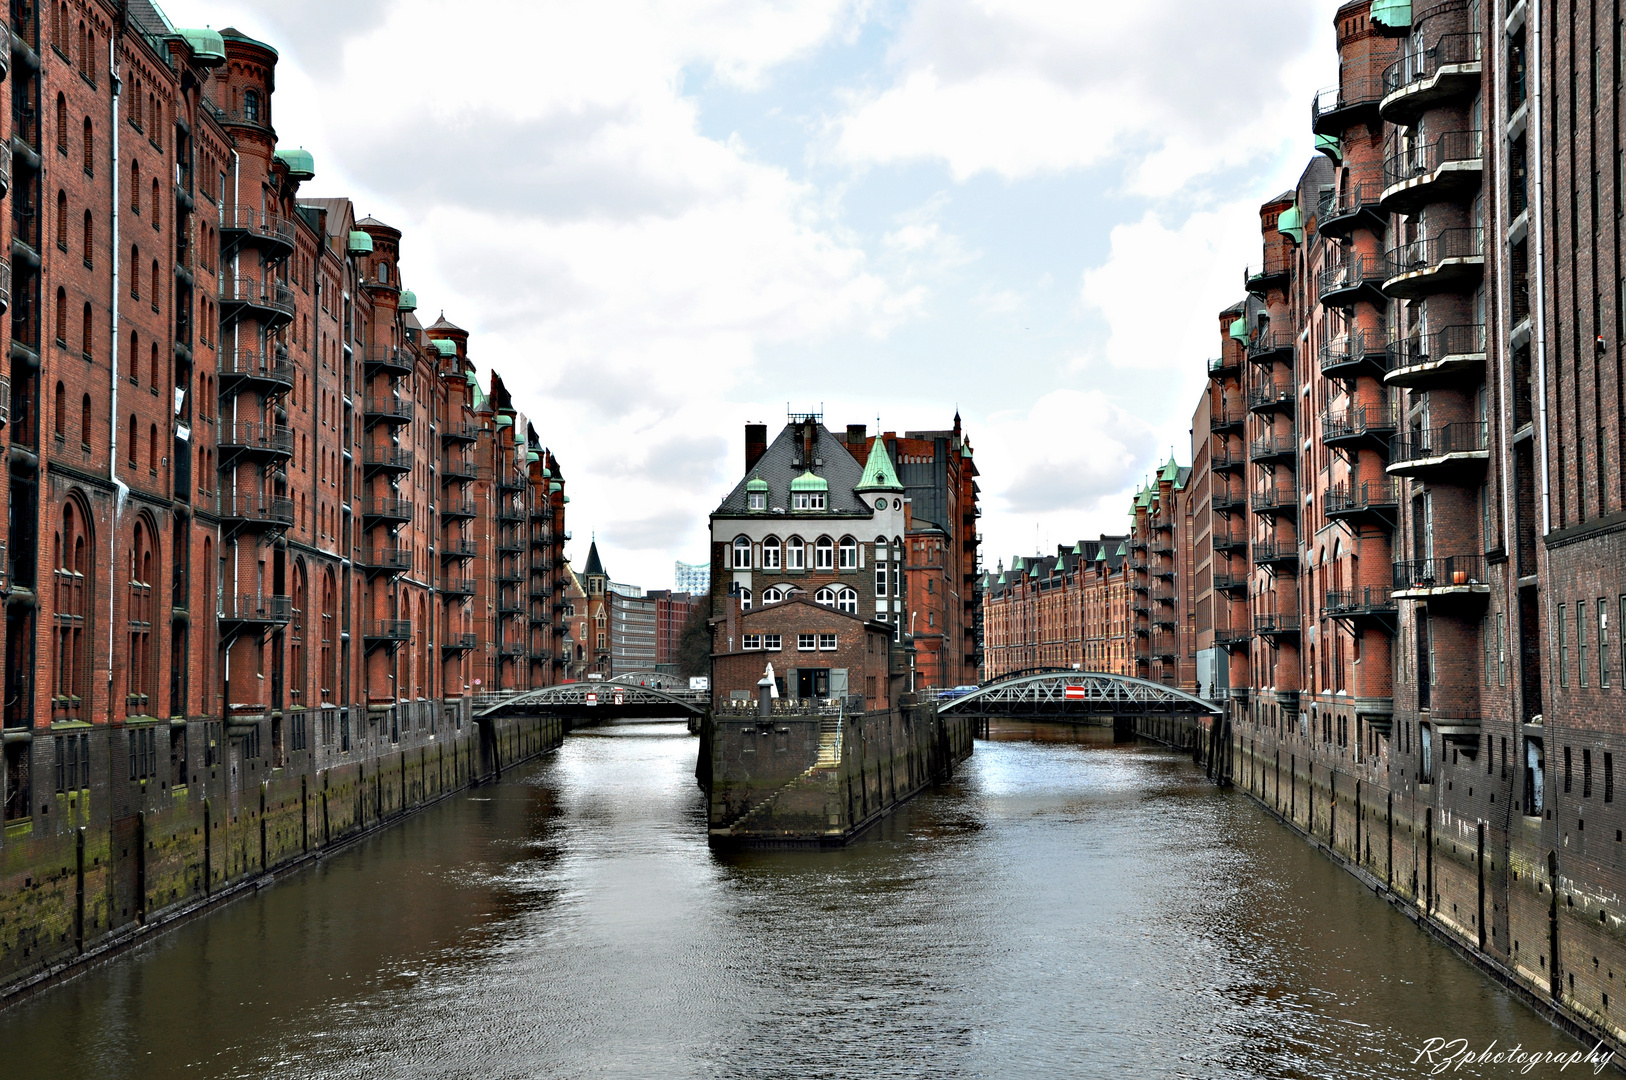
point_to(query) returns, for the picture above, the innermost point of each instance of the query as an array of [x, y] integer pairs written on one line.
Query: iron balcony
[[459, 549], [459, 432], [1441, 454], [463, 508], [1270, 274], [1274, 449], [1451, 261], [388, 560], [1230, 416], [271, 303], [389, 632], [1271, 346], [385, 459], [1356, 425], [505, 606], [1447, 71], [457, 586], [459, 642], [540, 538], [1445, 169], [1228, 502], [385, 360], [1279, 499], [1454, 355], [387, 410], [509, 482], [1232, 583], [1354, 205], [1224, 365], [242, 370], [1227, 637], [386, 511], [261, 229], [1353, 101], [256, 511], [1373, 604], [1375, 502], [1276, 554], [1354, 277], [1442, 577], [457, 470], [1275, 625], [253, 439], [1362, 352], [511, 648], [252, 609], [1230, 542], [1268, 395], [510, 514], [1227, 459]]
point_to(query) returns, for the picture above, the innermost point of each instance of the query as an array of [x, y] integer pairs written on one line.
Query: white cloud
[[1165, 89]]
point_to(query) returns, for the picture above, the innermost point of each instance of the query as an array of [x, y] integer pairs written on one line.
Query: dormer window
[[809, 500], [757, 501]]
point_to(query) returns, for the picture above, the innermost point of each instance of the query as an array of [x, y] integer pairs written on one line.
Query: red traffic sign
[[619, 698], [592, 697]]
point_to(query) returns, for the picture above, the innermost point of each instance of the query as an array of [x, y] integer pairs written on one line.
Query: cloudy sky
[[661, 220]]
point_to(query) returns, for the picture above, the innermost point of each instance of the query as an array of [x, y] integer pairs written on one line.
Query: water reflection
[[1066, 906]]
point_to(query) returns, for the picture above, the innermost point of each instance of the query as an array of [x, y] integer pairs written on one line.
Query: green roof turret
[[878, 472], [301, 166], [810, 481]]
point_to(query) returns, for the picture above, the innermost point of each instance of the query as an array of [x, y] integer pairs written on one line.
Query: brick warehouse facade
[[880, 526], [268, 535], [1408, 493]]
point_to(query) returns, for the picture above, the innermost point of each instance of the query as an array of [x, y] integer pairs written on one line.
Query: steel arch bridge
[[597, 700], [1076, 695]]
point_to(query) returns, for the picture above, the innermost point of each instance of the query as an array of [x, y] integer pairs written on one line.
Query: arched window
[[62, 220], [251, 106], [825, 596], [742, 553], [795, 554], [152, 365], [384, 272], [135, 273], [84, 419], [75, 598], [745, 599], [135, 187], [849, 553], [770, 555], [87, 340], [62, 317], [59, 416], [89, 65], [330, 609], [61, 124], [143, 670], [90, 148], [135, 438], [154, 296], [157, 204], [824, 554], [59, 28], [296, 634], [771, 596], [847, 600], [152, 449], [90, 239]]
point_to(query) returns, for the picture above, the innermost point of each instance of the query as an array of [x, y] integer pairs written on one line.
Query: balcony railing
[[259, 224], [395, 560], [458, 586], [1368, 600], [1272, 272], [1450, 68], [1354, 423], [1230, 637], [460, 431], [459, 549], [388, 409], [1369, 497], [457, 508], [249, 365], [1447, 354], [1277, 499], [1276, 553], [387, 359], [1454, 158], [1336, 106], [1445, 262], [269, 295], [1228, 502], [1273, 447], [1339, 210], [257, 509], [399, 510], [459, 642], [253, 437], [390, 630], [1232, 413], [1229, 541], [456, 469], [1449, 573], [1450, 443], [1271, 345], [254, 608], [386, 459], [1276, 623], [1267, 394], [1352, 277], [1225, 581]]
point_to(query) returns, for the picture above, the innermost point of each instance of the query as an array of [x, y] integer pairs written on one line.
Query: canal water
[[1065, 907]]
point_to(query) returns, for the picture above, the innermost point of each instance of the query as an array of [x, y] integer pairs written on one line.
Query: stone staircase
[[829, 758]]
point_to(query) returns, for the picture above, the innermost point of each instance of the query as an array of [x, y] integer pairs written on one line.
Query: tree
[[694, 643]]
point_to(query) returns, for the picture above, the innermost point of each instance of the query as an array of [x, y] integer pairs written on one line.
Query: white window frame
[[745, 599], [756, 500], [807, 642], [827, 643], [826, 596], [772, 595], [770, 553], [751, 642], [771, 643], [847, 600], [795, 553], [824, 554], [848, 553], [742, 546]]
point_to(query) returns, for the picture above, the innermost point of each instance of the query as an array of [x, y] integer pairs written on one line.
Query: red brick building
[[1074, 609], [672, 613], [263, 523]]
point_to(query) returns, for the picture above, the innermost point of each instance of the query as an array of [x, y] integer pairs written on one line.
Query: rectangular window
[[807, 642], [1566, 770], [751, 641], [1603, 642], [1501, 649], [1485, 632], [1563, 647], [771, 643], [1586, 772], [770, 556], [1580, 640], [880, 580], [827, 642], [1608, 777]]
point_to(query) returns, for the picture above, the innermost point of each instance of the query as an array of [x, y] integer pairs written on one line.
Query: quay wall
[[88, 879]]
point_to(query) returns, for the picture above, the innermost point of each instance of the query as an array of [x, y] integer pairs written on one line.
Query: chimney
[[808, 436], [756, 444], [855, 437]]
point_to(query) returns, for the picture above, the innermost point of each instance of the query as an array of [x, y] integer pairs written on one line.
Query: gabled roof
[[779, 466], [1171, 471]]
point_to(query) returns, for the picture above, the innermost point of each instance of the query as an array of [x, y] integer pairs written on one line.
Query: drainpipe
[[120, 489], [1537, 234]]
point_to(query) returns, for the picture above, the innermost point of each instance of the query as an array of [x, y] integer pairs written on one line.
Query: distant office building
[[672, 612], [632, 632], [692, 578]]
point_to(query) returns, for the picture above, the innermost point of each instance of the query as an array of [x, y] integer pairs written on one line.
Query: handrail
[[1450, 50]]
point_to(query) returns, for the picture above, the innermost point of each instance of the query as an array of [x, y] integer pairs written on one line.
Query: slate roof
[[778, 467], [594, 567]]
